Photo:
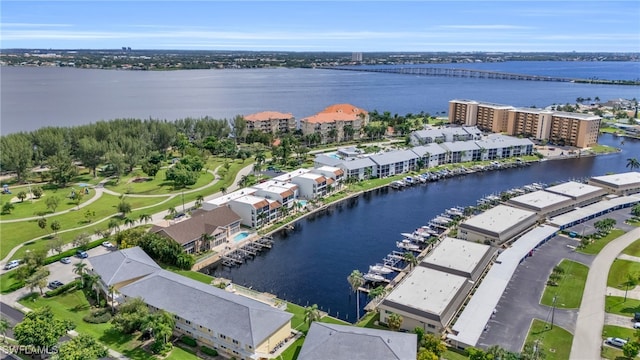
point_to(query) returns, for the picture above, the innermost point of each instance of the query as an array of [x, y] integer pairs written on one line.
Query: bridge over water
[[481, 74]]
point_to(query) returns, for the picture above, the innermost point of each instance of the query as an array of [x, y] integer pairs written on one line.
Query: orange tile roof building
[[340, 122], [271, 122]]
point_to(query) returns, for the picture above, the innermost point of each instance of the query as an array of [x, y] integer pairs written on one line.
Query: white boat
[[373, 277], [379, 269], [397, 184], [413, 237], [407, 245]]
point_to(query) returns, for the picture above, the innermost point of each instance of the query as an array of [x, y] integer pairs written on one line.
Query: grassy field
[[74, 306], [570, 287], [617, 305], [556, 342], [619, 271], [617, 331], [157, 185], [38, 207], [633, 249], [597, 245]]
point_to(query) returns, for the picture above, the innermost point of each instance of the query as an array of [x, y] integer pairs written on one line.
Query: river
[[34, 97], [311, 264]]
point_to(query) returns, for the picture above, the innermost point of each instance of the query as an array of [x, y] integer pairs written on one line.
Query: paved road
[[587, 338], [520, 303]]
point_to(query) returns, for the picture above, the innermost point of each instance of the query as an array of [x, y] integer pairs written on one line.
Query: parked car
[[636, 325], [636, 316], [12, 264], [82, 254], [108, 245], [55, 284], [65, 260], [616, 341]]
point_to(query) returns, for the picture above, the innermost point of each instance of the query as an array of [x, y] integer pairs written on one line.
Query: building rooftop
[[459, 146], [579, 116], [499, 218], [219, 201], [457, 254], [584, 212], [328, 160], [539, 200], [123, 265], [255, 201], [622, 179], [358, 163], [427, 290], [575, 189], [332, 169], [344, 108], [330, 117], [201, 222], [498, 141], [432, 149], [246, 320], [287, 176], [344, 342], [267, 115], [392, 157]]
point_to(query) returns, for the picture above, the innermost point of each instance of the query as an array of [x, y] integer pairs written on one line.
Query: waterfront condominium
[[271, 122], [563, 128], [336, 123]]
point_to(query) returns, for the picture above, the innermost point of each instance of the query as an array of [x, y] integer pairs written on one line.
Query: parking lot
[[520, 303], [64, 272]]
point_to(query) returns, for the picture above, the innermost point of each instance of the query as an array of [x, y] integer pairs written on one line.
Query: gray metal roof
[[497, 141], [343, 342], [459, 146], [118, 266], [357, 164], [246, 320], [327, 160], [393, 157], [432, 149]]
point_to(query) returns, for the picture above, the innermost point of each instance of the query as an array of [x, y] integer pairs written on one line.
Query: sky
[[351, 26]]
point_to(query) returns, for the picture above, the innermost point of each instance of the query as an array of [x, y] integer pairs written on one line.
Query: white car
[[107, 244], [12, 264], [616, 341], [636, 325]]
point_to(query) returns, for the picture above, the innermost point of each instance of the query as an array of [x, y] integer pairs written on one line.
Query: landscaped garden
[[554, 341], [598, 244]]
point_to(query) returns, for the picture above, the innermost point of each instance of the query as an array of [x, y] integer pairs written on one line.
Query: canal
[[310, 264]]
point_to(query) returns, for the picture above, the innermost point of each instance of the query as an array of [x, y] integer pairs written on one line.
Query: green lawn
[[556, 342], [633, 249], [180, 354], [369, 320], [37, 207], [74, 306], [453, 355], [198, 276], [291, 353], [8, 283], [617, 305], [615, 331], [570, 287], [619, 271], [157, 185], [597, 245]]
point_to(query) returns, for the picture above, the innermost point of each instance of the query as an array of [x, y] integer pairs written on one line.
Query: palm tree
[[129, 222], [311, 314], [199, 200], [633, 163], [356, 280], [394, 321], [145, 217], [632, 282], [410, 259], [377, 292], [172, 211], [4, 326], [80, 268], [92, 282], [112, 292]]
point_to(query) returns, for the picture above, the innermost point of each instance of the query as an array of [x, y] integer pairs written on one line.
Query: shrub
[[71, 253], [99, 316], [64, 288], [158, 347], [187, 340], [208, 351]]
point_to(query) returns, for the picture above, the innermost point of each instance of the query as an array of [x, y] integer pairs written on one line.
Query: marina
[[247, 250]]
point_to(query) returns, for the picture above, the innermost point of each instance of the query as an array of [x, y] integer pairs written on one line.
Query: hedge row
[[71, 252], [187, 340], [99, 316], [64, 288], [208, 351]]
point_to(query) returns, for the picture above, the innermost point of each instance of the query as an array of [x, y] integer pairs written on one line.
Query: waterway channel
[[311, 263]]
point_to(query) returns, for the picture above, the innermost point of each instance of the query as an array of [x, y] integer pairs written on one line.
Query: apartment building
[[573, 129], [234, 325], [486, 116], [255, 211], [340, 122], [271, 122]]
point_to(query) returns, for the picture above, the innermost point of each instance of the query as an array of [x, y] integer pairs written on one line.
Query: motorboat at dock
[[373, 277], [379, 269]]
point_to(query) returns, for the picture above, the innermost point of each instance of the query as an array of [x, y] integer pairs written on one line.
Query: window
[[431, 326], [222, 336], [188, 322]]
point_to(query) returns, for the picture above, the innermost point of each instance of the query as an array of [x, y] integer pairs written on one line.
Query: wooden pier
[[248, 250]]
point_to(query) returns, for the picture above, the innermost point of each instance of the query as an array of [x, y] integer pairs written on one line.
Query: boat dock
[[248, 250]]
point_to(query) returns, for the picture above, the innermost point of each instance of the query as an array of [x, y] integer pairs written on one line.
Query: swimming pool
[[334, 155], [240, 236], [302, 202]]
